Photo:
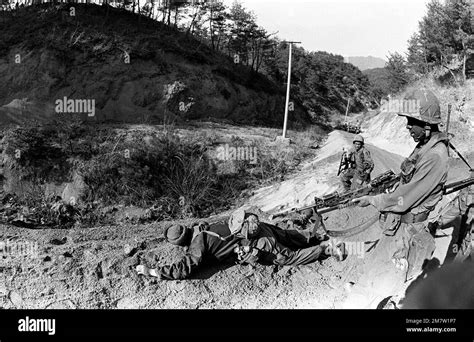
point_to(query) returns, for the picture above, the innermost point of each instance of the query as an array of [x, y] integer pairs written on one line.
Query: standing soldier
[[407, 241], [358, 165]]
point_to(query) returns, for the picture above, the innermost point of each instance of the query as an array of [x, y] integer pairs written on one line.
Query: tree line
[[443, 43], [322, 82]]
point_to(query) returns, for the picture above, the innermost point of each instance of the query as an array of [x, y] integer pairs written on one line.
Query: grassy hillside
[[136, 70]]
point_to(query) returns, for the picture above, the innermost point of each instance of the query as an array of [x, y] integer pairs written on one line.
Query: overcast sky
[[344, 27]]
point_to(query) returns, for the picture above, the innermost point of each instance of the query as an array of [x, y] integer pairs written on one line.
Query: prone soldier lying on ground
[[284, 247], [246, 240]]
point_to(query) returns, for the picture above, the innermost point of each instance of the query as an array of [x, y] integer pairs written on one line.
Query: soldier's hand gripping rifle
[[335, 200]]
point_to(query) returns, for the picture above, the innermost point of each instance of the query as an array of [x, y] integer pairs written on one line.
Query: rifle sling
[[354, 230]]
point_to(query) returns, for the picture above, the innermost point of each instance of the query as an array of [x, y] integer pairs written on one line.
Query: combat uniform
[[459, 216], [216, 244], [281, 247], [406, 240], [423, 175], [360, 166]]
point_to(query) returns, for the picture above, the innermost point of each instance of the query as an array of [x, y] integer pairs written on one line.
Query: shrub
[[35, 155], [172, 176]]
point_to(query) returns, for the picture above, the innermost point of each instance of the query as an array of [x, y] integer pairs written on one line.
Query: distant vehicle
[[348, 127]]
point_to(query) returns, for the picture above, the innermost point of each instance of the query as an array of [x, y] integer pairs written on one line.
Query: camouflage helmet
[[236, 220], [178, 235], [358, 138], [238, 217], [427, 107]]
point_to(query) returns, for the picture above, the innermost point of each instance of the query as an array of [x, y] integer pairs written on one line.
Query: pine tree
[[398, 72]]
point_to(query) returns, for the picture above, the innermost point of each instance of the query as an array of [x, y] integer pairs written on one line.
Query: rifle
[[450, 144], [335, 200], [380, 184], [342, 163], [456, 186]]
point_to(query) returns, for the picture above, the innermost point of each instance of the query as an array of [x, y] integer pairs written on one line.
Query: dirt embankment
[[318, 177]]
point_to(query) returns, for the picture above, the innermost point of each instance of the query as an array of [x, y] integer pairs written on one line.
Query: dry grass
[[175, 169]]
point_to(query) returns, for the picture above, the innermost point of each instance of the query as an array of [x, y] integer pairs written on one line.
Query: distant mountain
[[364, 63], [379, 78]]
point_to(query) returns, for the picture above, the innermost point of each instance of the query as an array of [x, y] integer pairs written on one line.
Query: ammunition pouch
[[408, 169], [389, 223]]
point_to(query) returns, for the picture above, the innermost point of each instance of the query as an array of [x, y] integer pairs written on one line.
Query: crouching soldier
[[358, 165]]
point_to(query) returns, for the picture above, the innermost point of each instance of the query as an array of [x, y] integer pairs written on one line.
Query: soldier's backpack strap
[[408, 165], [215, 235]]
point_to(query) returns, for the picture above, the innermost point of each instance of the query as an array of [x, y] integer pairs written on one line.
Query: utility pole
[[347, 109], [349, 101], [288, 85]]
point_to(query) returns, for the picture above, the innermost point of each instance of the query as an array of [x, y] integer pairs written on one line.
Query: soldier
[[205, 244], [460, 217], [269, 245], [407, 241], [243, 239], [358, 164]]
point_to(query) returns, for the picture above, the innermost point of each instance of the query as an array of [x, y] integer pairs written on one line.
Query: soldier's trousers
[[380, 278], [299, 257], [351, 180], [416, 245], [273, 252]]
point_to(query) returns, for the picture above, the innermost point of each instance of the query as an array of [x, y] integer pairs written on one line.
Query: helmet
[[177, 235], [237, 219], [358, 138], [427, 107]]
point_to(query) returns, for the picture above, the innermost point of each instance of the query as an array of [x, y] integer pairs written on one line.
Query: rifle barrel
[[453, 187], [343, 200], [448, 119], [460, 155]]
